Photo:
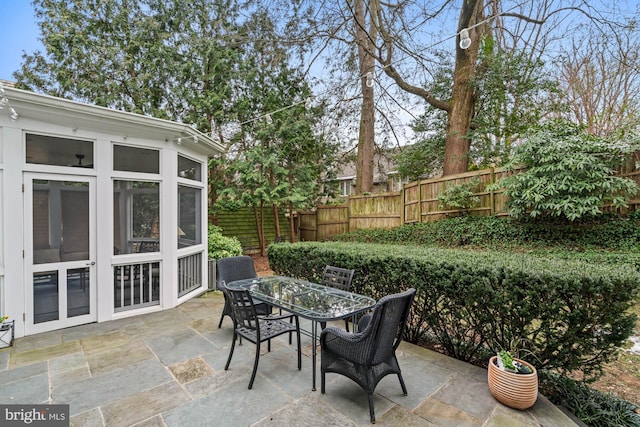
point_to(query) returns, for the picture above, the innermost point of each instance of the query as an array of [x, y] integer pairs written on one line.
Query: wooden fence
[[417, 202], [241, 224]]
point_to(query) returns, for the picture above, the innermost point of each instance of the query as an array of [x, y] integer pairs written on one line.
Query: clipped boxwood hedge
[[559, 314], [609, 232]]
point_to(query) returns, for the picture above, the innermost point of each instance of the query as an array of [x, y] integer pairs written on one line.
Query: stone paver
[[166, 369], [36, 355], [190, 370], [144, 405]]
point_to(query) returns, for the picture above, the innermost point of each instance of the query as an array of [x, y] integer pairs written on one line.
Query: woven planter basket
[[518, 391]]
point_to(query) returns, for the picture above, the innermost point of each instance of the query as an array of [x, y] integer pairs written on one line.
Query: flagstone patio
[[167, 369]]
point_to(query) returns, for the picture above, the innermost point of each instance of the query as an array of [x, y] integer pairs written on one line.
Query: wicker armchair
[[339, 278], [257, 329], [236, 268], [369, 355]]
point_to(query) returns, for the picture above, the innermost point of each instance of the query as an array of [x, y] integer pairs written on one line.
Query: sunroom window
[[189, 216], [189, 169], [133, 159], [136, 217]]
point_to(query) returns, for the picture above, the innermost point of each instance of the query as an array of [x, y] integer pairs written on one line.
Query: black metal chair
[[236, 268], [339, 278], [257, 329], [369, 355]]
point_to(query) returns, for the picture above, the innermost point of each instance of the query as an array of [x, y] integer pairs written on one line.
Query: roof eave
[[24, 101]]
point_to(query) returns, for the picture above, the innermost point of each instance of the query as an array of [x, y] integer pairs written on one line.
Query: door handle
[[91, 263]]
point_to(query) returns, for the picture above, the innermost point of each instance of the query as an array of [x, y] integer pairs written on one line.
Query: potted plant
[[6, 331], [513, 382]]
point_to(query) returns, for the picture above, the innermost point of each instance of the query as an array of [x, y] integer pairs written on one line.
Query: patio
[[167, 369]]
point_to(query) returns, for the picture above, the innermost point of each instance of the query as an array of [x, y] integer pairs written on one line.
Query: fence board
[[241, 224], [417, 202], [331, 220], [412, 203], [307, 226], [375, 211]]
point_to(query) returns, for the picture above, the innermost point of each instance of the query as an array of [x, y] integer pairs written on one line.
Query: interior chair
[[257, 329], [339, 278], [236, 268], [369, 355]]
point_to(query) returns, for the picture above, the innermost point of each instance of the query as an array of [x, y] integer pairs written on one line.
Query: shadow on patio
[[167, 369]]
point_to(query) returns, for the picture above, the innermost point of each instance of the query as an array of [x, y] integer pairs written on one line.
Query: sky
[[18, 33]]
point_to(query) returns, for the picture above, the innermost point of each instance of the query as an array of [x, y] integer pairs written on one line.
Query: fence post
[[419, 201], [492, 194], [402, 206]]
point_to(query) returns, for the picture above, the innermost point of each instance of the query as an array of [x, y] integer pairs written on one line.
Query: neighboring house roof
[[383, 166], [80, 115]]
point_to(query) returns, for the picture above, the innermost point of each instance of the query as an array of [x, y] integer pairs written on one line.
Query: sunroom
[[103, 213]]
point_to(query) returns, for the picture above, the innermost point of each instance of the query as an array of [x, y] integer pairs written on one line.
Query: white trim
[[30, 103]]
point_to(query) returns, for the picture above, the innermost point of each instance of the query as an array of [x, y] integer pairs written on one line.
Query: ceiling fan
[[80, 165]]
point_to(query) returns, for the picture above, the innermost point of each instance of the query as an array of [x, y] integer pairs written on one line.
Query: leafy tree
[[514, 93], [568, 173], [166, 58], [111, 53], [277, 160]]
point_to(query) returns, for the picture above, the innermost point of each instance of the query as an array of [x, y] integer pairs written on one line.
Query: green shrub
[[568, 173], [594, 408], [610, 232], [561, 314], [460, 196], [220, 246]]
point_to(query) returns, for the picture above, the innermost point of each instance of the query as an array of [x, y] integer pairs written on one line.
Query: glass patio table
[[308, 300]]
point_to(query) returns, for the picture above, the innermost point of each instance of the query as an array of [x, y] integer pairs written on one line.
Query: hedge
[[609, 232], [556, 313]]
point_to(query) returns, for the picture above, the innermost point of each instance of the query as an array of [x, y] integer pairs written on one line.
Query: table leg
[[314, 334]]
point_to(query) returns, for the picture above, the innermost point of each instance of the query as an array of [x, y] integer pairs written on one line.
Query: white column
[[103, 163], [13, 225], [168, 227]]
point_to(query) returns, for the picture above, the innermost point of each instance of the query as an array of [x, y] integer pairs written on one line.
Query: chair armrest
[[364, 321], [350, 346]]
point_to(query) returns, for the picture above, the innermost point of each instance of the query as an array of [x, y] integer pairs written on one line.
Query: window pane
[[136, 217], [189, 169], [132, 159], [60, 221], [50, 150], [78, 297], [45, 297], [345, 188], [189, 216]]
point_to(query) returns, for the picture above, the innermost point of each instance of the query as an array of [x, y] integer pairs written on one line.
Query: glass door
[[59, 251]]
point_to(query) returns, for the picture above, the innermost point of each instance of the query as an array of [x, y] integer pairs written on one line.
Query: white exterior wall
[[13, 166]]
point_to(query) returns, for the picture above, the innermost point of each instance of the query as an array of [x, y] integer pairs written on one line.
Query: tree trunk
[[366, 140], [258, 218], [457, 145], [263, 246], [292, 225], [276, 222], [213, 192]]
